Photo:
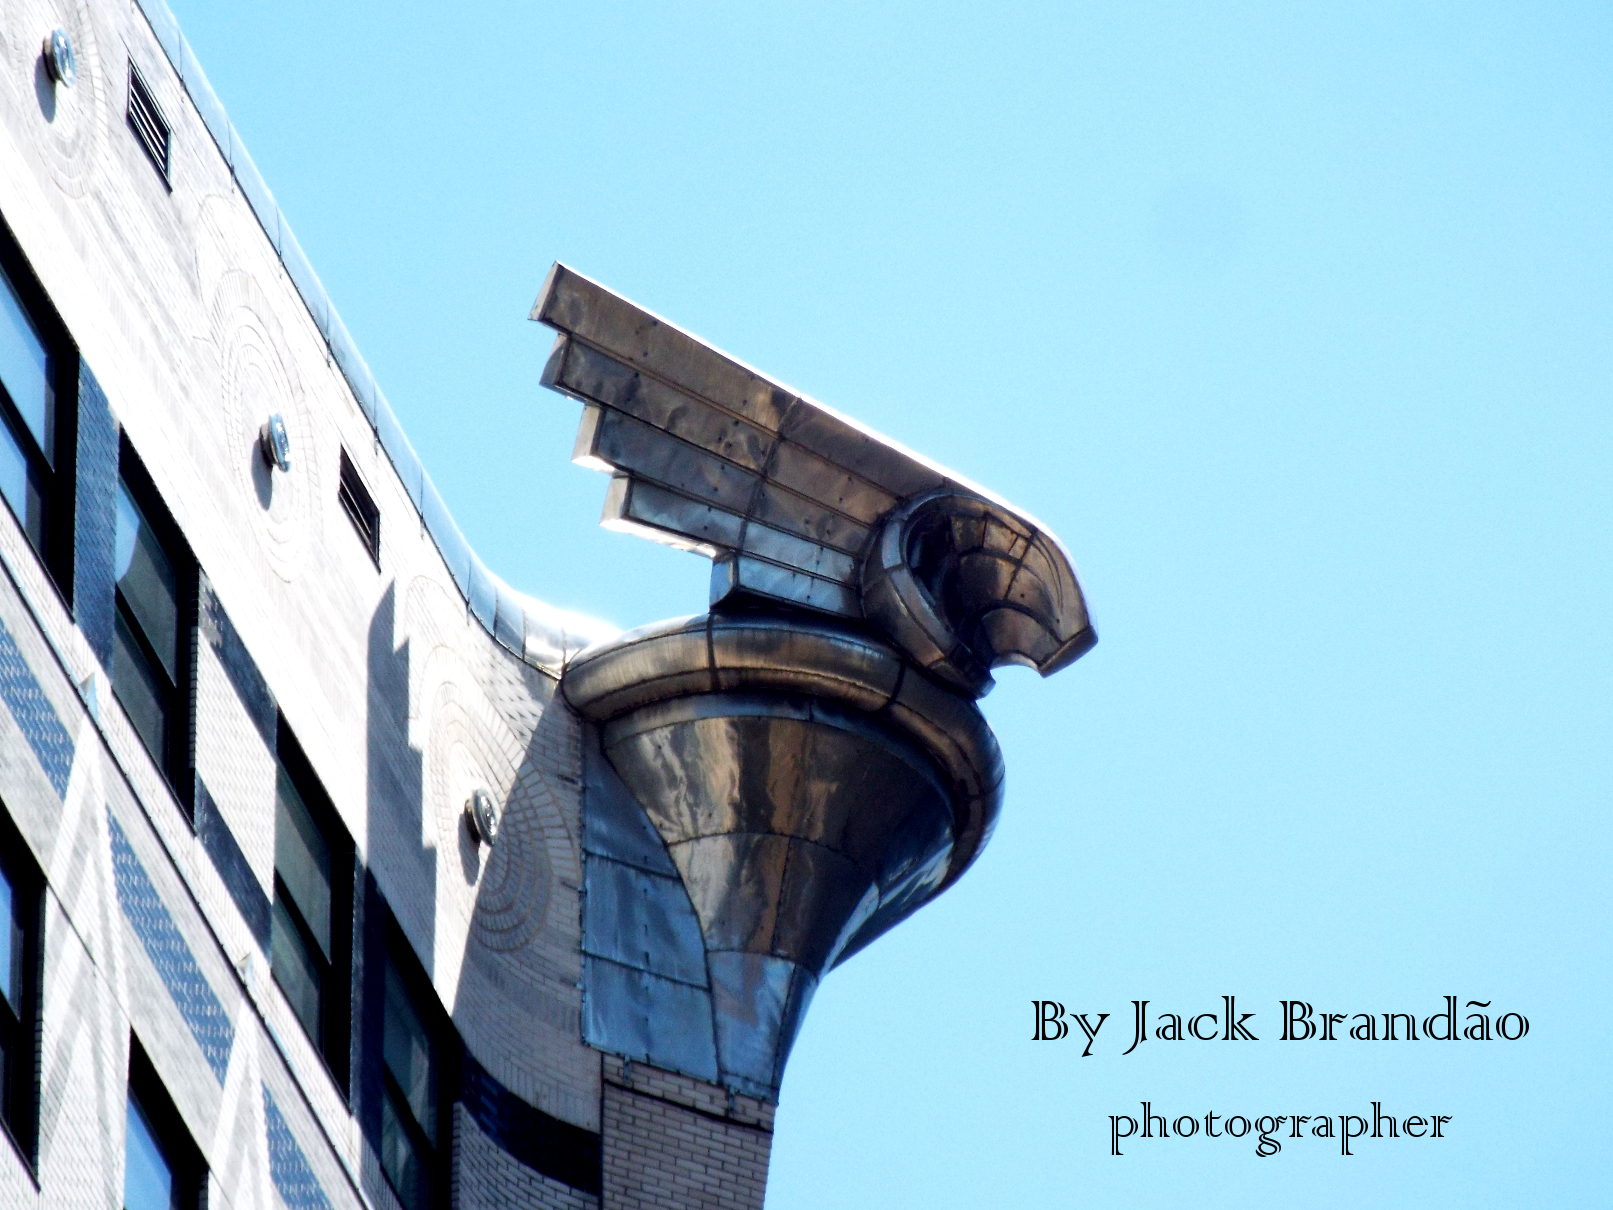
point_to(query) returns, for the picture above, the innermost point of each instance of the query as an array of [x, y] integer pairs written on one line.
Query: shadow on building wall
[[396, 816]]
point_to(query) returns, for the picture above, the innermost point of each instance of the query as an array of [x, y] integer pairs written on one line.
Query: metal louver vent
[[147, 122], [360, 508]]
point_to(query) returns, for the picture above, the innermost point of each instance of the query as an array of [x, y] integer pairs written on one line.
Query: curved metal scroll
[[963, 586]]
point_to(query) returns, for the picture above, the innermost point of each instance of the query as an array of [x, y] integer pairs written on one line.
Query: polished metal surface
[[481, 815], [642, 1016], [60, 65], [964, 586], [802, 664], [797, 504], [805, 764], [646, 992], [806, 786], [758, 1004], [274, 442]]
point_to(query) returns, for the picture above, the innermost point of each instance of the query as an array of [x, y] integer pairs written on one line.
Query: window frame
[[58, 481], [177, 762], [19, 1078], [187, 1168], [398, 955], [335, 1040]]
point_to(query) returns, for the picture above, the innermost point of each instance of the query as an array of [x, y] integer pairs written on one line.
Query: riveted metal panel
[[648, 1018], [592, 375], [758, 1002], [734, 882], [811, 519], [816, 478], [629, 443], [614, 824], [762, 578], [644, 503], [811, 557], [641, 920], [844, 443]]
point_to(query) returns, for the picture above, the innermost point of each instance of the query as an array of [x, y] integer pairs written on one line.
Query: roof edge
[[537, 633]]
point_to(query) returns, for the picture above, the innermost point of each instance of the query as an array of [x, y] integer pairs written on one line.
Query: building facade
[[336, 873]]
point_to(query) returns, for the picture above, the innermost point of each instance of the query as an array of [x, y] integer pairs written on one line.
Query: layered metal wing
[[800, 505]]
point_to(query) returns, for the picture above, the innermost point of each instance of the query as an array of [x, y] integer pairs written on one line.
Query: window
[[38, 398], [147, 122], [311, 934], [360, 508], [156, 607], [162, 1170], [21, 890], [411, 1102]]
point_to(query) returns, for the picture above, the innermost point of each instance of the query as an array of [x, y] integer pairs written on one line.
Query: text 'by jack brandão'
[[1301, 1022]]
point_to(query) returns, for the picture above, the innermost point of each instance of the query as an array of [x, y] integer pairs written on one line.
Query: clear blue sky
[[1295, 326]]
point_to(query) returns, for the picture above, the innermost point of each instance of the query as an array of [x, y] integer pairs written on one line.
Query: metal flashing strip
[[170, 953], [538, 634]]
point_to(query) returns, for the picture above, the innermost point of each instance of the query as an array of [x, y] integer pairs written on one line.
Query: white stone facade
[[397, 680]]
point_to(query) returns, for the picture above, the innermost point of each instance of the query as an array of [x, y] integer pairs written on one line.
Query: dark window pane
[[147, 580], [407, 1050], [295, 970], [11, 947], [302, 859], [21, 486], [400, 1159], [143, 696], [25, 368], [148, 1181]]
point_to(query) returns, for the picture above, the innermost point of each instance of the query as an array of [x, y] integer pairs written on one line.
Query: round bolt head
[[59, 64], [481, 813], [275, 443]]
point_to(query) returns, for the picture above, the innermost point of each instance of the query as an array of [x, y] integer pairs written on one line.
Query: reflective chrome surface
[[806, 787], [60, 64], [481, 814], [646, 992], [274, 442], [774, 784], [797, 504], [963, 586], [815, 667]]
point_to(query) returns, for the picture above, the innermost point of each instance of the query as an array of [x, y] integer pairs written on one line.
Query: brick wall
[[673, 1143]]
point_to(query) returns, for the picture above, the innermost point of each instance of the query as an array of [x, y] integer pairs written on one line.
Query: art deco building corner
[[775, 783], [340, 875]]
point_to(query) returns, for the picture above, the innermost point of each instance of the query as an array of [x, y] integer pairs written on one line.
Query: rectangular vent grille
[[360, 508], [147, 122]]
